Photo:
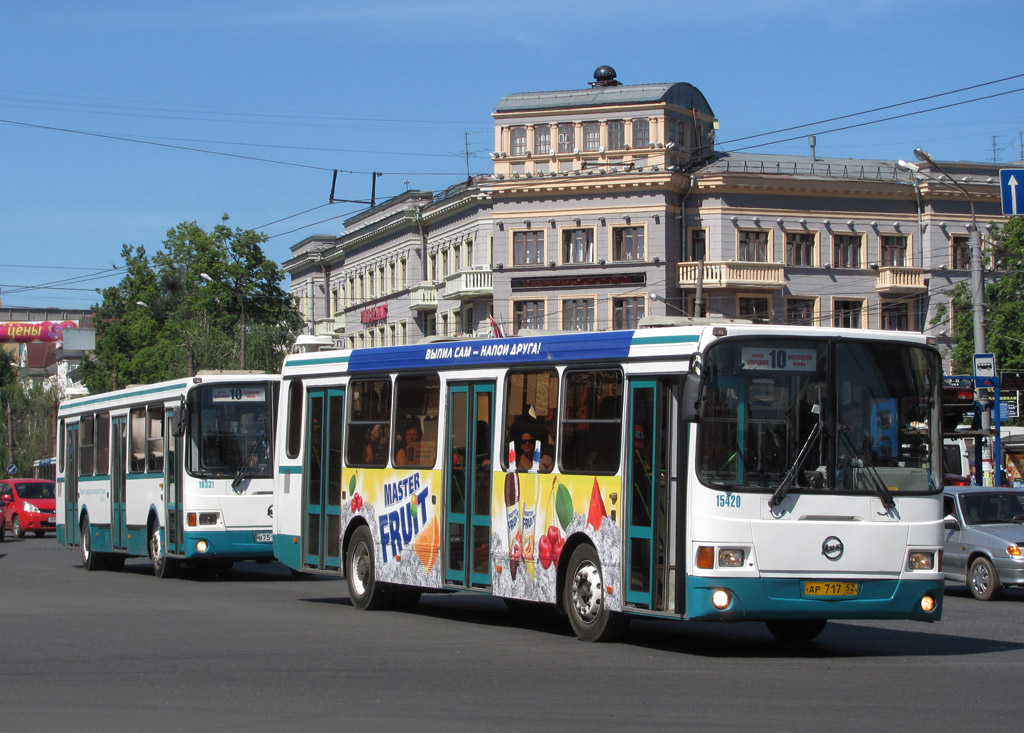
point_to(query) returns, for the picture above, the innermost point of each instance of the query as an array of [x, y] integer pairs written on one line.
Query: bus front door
[[71, 528], [321, 491], [647, 510], [174, 505], [118, 517], [467, 472]]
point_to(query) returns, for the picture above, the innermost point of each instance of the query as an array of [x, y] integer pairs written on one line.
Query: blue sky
[[121, 119]]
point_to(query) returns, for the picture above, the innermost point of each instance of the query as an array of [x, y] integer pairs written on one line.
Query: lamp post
[[661, 299], [241, 303], [977, 277]]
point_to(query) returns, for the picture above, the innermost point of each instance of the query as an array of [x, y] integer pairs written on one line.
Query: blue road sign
[[1011, 185]]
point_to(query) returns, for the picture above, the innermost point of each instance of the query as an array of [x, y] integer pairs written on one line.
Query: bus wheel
[[983, 580], [163, 566], [90, 559], [364, 589], [796, 631], [583, 598]]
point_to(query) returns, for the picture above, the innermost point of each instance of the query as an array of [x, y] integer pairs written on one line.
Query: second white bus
[[179, 472]]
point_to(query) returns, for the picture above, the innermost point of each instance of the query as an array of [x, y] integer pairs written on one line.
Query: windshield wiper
[[790, 478], [250, 459], [888, 503]]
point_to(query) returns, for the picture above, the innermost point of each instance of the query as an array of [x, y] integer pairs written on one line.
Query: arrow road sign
[[1011, 184]]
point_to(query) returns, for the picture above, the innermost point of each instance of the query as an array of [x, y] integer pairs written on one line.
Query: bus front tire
[[366, 592], [796, 631], [163, 566], [90, 560], [583, 599]]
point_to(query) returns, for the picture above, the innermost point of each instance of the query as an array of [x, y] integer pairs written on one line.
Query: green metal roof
[[679, 94]]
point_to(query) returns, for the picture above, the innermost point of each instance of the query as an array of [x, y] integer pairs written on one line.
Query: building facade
[[609, 203]]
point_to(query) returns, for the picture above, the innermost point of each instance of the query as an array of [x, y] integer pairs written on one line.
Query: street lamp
[[661, 299], [973, 243], [241, 303]]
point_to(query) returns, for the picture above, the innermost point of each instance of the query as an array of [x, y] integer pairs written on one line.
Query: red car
[[30, 505]]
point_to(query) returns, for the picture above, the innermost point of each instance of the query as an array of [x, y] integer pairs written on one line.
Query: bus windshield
[[230, 427], [813, 416]]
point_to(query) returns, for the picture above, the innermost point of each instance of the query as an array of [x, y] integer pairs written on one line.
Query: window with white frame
[[528, 247], [577, 246], [800, 249], [542, 140], [616, 134], [578, 314], [753, 245], [628, 244], [591, 136], [627, 312], [517, 141], [894, 250], [527, 314], [566, 137], [641, 132]]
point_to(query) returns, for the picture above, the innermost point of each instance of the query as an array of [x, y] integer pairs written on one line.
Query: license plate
[[264, 536], [830, 588]]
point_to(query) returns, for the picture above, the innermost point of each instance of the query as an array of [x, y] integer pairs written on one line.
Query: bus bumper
[[759, 599], [236, 544]]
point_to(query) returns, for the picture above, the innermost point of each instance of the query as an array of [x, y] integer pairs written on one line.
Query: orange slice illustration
[[426, 544]]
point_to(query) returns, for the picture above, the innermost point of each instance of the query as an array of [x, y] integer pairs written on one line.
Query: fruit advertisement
[[534, 514]]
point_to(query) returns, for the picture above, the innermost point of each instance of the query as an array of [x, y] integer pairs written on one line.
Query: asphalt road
[[257, 650]]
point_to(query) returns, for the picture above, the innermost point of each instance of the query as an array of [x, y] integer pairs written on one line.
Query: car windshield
[[33, 490], [992, 507], [814, 415]]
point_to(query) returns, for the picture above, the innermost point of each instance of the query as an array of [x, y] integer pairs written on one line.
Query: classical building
[[609, 203]]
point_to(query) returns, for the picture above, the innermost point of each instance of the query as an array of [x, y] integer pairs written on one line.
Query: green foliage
[[165, 321], [33, 416], [1004, 332]]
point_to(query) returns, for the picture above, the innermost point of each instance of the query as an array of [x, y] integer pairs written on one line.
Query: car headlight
[[31, 507]]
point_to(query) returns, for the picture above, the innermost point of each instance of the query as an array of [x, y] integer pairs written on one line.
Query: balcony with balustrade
[[423, 296], [749, 275], [901, 280], [469, 284]]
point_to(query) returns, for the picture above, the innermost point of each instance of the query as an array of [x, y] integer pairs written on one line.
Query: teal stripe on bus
[[130, 393]]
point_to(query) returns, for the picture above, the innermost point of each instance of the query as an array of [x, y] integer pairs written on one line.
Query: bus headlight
[[928, 604], [720, 599], [202, 546], [921, 560], [731, 558], [208, 519]]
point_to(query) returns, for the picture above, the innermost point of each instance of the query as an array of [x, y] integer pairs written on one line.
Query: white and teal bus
[[179, 472], [710, 471]]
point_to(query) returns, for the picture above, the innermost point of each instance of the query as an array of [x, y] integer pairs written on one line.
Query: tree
[[1004, 306], [166, 320], [33, 411]]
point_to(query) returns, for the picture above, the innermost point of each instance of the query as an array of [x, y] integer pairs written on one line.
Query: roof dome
[[604, 76]]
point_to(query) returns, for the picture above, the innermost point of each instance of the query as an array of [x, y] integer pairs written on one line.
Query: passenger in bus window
[[411, 434], [525, 443], [377, 445]]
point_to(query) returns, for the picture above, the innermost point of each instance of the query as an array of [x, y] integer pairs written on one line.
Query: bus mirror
[[178, 417], [690, 404]]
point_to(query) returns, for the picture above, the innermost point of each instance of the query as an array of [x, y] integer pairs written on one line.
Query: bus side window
[[369, 406], [155, 439], [102, 443], [86, 439], [138, 432], [293, 439], [531, 409]]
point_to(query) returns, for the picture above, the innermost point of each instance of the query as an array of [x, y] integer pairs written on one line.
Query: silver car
[[984, 538]]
